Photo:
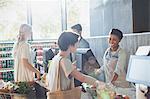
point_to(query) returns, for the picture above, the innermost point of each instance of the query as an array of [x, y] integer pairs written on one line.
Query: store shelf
[[5, 52], [6, 69], [6, 46], [3, 59], [6, 61]]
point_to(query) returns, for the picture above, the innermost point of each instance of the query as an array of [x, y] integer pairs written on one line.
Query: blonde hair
[[24, 30]]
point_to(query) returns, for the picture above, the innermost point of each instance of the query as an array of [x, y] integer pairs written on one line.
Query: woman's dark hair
[[78, 27], [66, 39], [117, 32]]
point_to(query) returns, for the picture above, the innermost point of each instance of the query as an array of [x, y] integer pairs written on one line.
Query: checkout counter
[[138, 72]]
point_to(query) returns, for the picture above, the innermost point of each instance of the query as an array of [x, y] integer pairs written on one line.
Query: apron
[[110, 64]]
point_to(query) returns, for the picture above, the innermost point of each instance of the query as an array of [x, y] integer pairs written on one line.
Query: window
[[12, 13], [44, 16], [78, 12], [141, 13], [46, 19]]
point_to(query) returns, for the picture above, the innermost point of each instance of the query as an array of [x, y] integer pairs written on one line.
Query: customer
[[62, 66], [82, 42], [23, 68], [115, 61]]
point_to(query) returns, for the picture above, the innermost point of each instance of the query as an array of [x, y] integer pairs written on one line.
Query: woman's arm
[[120, 66], [114, 78], [70, 70], [30, 67], [87, 79]]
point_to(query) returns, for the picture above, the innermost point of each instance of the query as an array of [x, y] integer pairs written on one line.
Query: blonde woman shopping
[[23, 68]]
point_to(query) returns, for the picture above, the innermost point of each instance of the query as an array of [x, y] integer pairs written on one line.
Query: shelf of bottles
[[39, 47], [6, 62]]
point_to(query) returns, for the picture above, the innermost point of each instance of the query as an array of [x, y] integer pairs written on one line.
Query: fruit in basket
[[9, 86]]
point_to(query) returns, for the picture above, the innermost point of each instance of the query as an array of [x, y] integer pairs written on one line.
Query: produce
[[106, 93], [19, 87], [23, 88]]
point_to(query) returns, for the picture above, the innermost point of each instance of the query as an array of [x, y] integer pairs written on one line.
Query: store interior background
[[50, 17]]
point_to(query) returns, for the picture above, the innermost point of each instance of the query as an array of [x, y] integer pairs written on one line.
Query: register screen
[[139, 70]]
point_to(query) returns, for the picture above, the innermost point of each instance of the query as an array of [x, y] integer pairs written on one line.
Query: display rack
[[6, 61], [40, 48]]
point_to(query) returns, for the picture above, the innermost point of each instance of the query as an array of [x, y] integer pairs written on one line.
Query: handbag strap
[[58, 77]]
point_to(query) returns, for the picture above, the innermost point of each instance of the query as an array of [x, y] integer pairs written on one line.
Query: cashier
[[114, 59], [23, 67]]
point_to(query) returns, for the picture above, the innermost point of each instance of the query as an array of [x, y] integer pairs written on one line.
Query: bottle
[[0, 75], [0, 64]]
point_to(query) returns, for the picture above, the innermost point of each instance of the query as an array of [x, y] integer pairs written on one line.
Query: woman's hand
[[38, 75], [100, 84], [74, 64], [97, 71], [43, 78], [115, 77]]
